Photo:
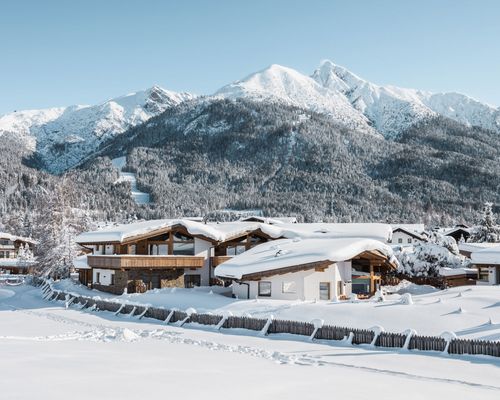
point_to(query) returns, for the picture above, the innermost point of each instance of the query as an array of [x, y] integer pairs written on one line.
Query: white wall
[[396, 236], [105, 278], [202, 248], [306, 284]]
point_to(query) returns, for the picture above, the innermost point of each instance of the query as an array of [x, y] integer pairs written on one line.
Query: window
[[340, 287], [2, 255], [112, 279], [98, 277], [409, 240], [400, 240], [265, 288], [324, 290], [289, 287], [235, 250], [190, 281], [182, 245], [484, 274]]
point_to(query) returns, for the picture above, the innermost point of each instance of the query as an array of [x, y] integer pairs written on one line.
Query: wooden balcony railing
[[140, 261], [220, 259]]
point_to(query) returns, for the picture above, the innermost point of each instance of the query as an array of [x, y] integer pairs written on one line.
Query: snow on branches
[[427, 258], [487, 230]]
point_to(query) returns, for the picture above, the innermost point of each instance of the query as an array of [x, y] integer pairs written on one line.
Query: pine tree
[[487, 230]]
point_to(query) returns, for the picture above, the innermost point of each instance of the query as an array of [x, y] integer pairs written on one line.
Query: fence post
[[448, 336], [225, 316], [409, 333], [377, 330], [264, 330], [318, 324]]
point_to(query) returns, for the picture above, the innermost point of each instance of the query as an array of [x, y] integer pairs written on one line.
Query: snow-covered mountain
[[290, 86], [63, 137], [392, 109]]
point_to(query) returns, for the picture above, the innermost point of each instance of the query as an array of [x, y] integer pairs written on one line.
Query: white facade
[[329, 284], [402, 238], [202, 248], [102, 276]]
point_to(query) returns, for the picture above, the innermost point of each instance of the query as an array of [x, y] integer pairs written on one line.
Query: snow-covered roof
[[449, 231], [80, 262], [8, 236], [271, 220], [285, 253], [223, 231], [445, 271], [471, 246], [15, 262], [489, 255], [414, 228], [412, 233], [124, 232]]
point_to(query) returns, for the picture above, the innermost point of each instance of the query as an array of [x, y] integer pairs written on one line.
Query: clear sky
[[55, 53]]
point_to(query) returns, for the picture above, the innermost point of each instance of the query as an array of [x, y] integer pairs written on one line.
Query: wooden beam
[[286, 270]]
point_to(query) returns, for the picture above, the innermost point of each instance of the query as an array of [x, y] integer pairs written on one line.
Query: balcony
[[217, 260], [125, 261]]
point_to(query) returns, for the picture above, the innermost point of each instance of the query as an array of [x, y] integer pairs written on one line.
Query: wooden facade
[[140, 262]]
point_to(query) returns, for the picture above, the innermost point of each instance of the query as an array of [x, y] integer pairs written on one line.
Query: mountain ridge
[[63, 137]]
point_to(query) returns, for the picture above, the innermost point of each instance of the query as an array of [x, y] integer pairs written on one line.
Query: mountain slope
[[202, 156], [278, 83], [63, 137], [393, 110]]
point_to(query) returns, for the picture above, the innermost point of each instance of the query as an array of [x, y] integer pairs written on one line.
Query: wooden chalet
[[164, 256], [310, 269]]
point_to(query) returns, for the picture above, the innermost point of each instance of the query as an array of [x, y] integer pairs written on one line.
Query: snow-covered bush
[[426, 259]]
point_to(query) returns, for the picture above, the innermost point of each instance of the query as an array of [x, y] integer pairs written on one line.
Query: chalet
[[309, 269], [407, 235], [11, 247], [460, 233], [487, 262], [184, 253]]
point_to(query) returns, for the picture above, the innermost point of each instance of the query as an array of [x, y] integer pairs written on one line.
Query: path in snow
[[137, 195]]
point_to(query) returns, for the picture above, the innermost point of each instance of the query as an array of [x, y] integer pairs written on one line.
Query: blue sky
[[55, 53]]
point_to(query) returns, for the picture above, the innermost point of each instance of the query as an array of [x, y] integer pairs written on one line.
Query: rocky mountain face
[[63, 137]]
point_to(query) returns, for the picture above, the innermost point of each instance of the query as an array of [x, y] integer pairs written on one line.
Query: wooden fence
[[326, 332]]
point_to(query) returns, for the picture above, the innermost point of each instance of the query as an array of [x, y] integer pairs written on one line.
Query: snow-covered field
[[467, 311], [49, 352]]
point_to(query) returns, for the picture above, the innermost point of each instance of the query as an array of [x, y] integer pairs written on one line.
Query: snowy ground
[[464, 310], [49, 352], [137, 195]]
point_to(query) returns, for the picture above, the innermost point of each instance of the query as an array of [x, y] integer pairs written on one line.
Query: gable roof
[[221, 232], [277, 256], [14, 238], [409, 233], [489, 255]]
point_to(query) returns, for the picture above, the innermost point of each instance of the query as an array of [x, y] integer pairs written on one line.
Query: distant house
[[185, 253], [309, 269], [10, 248], [459, 233], [407, 235], [487, 262]]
